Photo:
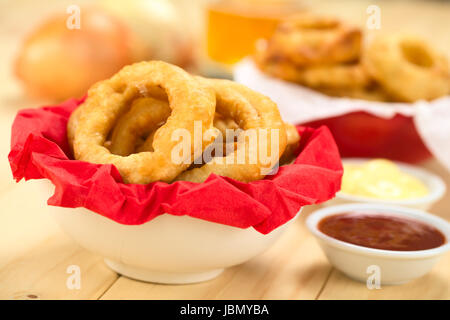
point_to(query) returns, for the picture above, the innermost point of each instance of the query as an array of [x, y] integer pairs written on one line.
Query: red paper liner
[[39, 149]]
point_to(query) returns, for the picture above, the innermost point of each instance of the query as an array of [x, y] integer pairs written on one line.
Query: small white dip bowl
[[435, 185], [168, 249], [396, 267]]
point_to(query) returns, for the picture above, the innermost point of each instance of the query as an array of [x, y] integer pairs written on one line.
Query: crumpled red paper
[[39, 149]]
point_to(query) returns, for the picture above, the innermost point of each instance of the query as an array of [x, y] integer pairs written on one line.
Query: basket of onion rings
[[126, 187], [380, 97]]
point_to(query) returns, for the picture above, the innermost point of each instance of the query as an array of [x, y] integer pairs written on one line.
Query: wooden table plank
[[23, 221], [434, 285], [35, 254], [43, 272], [294, 268]]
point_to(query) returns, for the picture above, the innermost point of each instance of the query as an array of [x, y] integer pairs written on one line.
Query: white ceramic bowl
[[396, 266], [436, 187], [168, 249]]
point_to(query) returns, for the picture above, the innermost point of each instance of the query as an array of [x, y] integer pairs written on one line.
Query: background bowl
[[168, 249], [360, 134], [396, 267], [435, 185]]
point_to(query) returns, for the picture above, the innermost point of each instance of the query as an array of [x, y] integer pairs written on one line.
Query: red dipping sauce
[[381, 231]]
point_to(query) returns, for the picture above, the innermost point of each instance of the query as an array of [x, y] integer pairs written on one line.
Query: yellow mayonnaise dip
[[381, 179]]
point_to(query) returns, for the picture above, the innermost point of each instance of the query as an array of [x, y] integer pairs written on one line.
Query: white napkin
[[298, 104]]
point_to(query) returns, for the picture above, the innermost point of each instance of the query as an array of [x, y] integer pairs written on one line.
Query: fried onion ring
[[372, 92], [236, 106], [408, 68], [189, 100], [293, 142], [307, 40], [327, 76], [139, 117], [251, 111], [220, 123], [144, 115]]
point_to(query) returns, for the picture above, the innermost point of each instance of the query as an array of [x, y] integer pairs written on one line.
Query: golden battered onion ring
[[139, 117], [144, 115], [220, 123], [336, 76], [189, 100], [293, 142], [223, 124], [307, 40], [147, 145], [329, 76], [372, 92], [155, 92], [248, 109], [72, 125], [408, 68], [251, 111]]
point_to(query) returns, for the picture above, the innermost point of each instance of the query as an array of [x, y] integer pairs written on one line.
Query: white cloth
[[299, 104]]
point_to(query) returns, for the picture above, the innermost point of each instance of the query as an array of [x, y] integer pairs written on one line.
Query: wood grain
[[43, 272], [35, 254], [294, 268], [434, 285]]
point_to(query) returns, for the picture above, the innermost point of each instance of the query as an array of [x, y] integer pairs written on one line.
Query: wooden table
[[35, 254]]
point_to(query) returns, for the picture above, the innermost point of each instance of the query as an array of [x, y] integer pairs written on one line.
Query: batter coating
[[189, 101]]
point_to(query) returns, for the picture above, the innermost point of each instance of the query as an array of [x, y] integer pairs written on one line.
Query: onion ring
[[219, 122], [370, 93], [140, 118], [72, 125], [408, 68], [293, 142], [190, 101], [307, 40], [144, 115], [155, 92], [251, 111], [236, 104], [328, 76]]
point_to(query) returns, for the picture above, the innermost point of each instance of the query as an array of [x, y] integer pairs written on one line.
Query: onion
[[167, 27], [57, 63]]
